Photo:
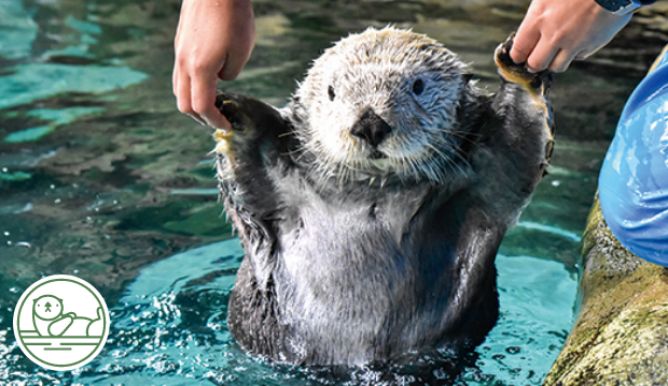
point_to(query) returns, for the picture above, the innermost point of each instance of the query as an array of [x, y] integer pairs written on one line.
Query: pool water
[[102, 178]]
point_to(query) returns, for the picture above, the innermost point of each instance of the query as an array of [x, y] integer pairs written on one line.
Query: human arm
[[556, 32], [214, 39]]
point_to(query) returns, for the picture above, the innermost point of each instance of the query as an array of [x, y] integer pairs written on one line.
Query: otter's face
[[47, 307], [385, 101]]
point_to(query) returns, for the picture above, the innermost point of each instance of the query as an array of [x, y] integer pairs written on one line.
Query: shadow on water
[[102, 178]]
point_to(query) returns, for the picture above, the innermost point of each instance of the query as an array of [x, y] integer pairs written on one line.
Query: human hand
[[214, 39], [556, 32]]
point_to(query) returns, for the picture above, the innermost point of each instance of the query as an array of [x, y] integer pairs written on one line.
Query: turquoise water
[[169, 326], [100, 177]]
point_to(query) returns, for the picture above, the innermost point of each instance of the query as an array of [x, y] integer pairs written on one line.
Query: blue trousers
[[633, 184]]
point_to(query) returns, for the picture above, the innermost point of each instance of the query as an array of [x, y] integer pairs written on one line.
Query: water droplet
[[52, 186], [6, 233], [5, 170], [556, 183], [57, 201], [24, 244]]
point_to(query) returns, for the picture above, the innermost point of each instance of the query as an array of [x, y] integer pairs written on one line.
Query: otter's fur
[[371, 208]]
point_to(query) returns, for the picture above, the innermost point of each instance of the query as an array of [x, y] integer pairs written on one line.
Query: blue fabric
[[633, 185]]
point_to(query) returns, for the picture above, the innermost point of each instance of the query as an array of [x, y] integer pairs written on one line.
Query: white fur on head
[[377, 69]]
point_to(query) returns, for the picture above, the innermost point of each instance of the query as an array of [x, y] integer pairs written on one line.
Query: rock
[[621, 334]]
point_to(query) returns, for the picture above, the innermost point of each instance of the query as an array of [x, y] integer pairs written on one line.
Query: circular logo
[[61, 322]]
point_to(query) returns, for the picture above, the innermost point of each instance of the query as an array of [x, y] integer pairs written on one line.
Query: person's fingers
[[197, 119], [204, 100], [239, 52], [183, 93], [178, 58], [562, 61], [177, 34], [232, 67], [525, 41], [175, 80], [183, 101], [541, 57], [585, 53]]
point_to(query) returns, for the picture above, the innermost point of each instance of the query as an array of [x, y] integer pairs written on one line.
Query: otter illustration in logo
[[61, 322], [50, 319]]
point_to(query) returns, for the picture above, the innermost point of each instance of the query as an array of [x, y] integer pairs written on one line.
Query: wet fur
[[374, 266]]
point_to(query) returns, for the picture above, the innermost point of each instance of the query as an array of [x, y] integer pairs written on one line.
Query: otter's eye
[[330, 92], [418, 87]]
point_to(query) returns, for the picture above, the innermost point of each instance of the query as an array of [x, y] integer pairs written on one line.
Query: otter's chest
[[335, 241], [351, 272], [342, 251], [370, 232]]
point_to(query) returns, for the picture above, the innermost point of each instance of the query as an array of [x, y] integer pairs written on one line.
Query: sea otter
[[371, 208]]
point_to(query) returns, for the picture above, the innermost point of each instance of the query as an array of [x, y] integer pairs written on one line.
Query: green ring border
[[98, 347]]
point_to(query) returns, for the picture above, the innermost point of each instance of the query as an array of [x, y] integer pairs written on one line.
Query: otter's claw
[[231, 109], [518, 73]]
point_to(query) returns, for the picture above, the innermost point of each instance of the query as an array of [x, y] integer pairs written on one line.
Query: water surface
[[100, 177]]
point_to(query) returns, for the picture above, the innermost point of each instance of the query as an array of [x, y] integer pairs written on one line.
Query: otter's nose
[[371, 128]]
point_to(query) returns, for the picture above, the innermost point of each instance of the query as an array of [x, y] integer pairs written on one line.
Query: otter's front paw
[[518, 73], [251, 120], [231, 108]]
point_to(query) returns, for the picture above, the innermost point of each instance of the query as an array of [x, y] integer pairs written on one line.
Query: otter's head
[[47, 307], [385, 102]]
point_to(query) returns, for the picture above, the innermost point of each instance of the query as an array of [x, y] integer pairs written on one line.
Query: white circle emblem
[[61, 322]]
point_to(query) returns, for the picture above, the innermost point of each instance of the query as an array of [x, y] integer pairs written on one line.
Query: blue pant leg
[[633, 184]]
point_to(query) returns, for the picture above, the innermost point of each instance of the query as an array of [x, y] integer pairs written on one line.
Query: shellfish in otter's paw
[[371, 208]]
